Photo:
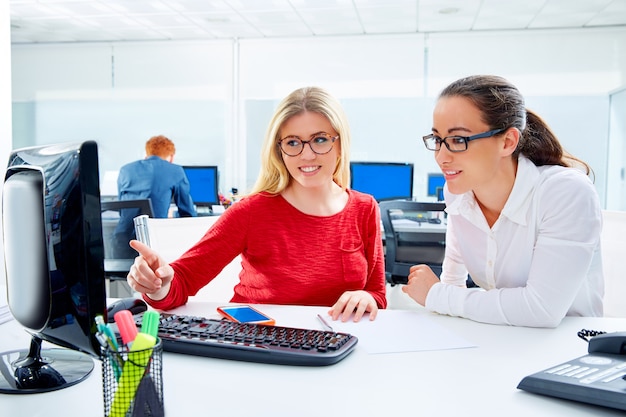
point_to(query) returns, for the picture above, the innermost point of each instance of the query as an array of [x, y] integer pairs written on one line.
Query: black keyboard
[[225, 339]]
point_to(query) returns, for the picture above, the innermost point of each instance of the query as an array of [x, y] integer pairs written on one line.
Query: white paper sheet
[[400, 331]]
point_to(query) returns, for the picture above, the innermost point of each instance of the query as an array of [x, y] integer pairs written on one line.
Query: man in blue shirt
[[156, 177]]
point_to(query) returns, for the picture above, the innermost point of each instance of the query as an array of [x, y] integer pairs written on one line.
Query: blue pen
[[107, 332], [106, 338], [105, 342]]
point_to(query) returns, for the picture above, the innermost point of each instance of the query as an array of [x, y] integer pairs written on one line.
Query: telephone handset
[[612, 343], [597, 378]]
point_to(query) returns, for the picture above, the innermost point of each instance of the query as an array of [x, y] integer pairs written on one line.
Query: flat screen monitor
[[53, 255], [436, 182], [383, 180], [203, 184]]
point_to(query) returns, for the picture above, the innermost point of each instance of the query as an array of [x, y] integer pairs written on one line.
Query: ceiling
[[44, 21]]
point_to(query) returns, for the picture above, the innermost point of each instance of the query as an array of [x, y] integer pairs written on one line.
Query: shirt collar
[[517, 204]]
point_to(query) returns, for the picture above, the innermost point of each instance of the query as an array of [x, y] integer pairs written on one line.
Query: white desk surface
[[477, 381]]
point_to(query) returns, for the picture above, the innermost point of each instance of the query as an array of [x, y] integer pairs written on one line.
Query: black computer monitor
[[435, 182], [383, 180], [53, 255], [203, 184]]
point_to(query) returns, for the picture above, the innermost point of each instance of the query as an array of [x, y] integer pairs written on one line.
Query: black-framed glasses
[[320, 143], [455, 143]]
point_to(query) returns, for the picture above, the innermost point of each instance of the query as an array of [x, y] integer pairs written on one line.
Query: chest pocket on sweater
[[354, 264]]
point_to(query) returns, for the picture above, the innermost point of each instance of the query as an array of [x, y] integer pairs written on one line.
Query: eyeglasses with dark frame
[[320, 143], [455, 143]]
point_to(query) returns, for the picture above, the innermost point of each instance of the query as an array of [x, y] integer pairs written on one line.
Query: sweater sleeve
[[206, 259]]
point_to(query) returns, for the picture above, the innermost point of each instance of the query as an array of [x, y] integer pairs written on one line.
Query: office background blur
[[214, 97]]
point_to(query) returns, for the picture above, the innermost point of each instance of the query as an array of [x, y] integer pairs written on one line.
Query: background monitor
[[440, 196], [53, 254], [383, 180], [435, 181], [204, 184]]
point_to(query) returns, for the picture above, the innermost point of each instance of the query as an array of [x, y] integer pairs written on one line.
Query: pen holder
[[132, 381]]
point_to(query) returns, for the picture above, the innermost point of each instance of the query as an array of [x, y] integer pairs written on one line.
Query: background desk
[[478, 381]]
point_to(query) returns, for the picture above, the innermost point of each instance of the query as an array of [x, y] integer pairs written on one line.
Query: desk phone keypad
[[252, 342]]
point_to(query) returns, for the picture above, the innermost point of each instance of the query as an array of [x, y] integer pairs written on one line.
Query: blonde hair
[[273, 176]]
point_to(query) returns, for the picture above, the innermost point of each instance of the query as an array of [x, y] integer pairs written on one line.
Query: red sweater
[[288, 257]]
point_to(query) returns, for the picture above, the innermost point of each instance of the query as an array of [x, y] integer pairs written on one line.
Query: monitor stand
[[37, 370]]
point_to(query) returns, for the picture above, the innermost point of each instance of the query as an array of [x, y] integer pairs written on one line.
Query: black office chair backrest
[[144, 205], [118, 255], [418, 237]]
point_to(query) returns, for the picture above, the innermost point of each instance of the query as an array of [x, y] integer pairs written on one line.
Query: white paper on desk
[[401, 331]]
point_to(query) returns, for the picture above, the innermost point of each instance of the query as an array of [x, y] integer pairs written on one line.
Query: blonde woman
[[303, 236]]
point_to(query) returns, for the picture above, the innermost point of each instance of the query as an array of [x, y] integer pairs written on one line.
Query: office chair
[[415, 233], [118, 256]]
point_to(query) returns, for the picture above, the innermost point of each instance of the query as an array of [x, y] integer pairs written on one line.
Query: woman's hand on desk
[[149, 274], [358, 302], [421, 279]]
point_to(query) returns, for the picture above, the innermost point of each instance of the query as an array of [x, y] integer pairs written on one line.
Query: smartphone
[[245, 314]]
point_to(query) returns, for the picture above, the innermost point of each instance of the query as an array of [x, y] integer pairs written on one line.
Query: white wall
[[5, 114], [215, 98], [616, 155]]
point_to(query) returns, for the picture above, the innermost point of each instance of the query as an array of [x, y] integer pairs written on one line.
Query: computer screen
[[436, 182], [204, 184], [383, 180], [53, 252]]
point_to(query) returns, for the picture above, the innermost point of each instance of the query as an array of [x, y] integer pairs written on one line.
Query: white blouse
[[540, 261]]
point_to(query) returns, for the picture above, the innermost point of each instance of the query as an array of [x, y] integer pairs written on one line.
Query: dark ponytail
[[539, 144], [502, 107]]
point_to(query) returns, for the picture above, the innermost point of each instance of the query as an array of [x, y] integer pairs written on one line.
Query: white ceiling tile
[[338, 15], [379, 3], [571, 20], [271, 17], [513, 21], [114, 20], [392, 19], [321, 4], [447, 24], [608, 19], [492, 8], [197, 5], [259, 5], [184, 33], [212, 20], [273, 31]]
